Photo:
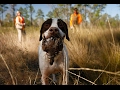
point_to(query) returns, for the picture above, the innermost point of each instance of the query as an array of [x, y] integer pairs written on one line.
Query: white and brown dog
[[53, 54]]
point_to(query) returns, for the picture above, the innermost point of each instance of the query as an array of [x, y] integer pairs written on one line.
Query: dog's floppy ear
[[41, 30], [63, 26], [45, 26], [66, 32]]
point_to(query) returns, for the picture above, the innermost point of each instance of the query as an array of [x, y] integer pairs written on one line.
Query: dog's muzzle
[[52, 46], [53, 32]]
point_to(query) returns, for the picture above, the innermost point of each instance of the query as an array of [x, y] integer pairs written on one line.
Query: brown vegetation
[[95, 51]]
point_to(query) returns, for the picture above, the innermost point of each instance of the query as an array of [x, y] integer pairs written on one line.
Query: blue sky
[[111, 9]]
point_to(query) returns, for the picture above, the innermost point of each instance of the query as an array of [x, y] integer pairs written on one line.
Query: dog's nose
[[53, 30]]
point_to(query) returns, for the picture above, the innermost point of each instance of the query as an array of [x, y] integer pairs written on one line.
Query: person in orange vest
[[20, 26], [75, 20]]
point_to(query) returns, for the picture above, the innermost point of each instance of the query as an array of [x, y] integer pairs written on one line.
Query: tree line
[[91, 14]]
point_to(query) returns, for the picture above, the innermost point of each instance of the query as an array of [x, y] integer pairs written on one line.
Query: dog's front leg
[[44, 79], [63, 78]]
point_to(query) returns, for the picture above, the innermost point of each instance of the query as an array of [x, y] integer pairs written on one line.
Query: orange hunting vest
[[75, 19], [21, 20]]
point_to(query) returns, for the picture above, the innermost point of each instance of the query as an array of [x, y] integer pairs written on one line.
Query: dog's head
[[54, 28], [52, 34]]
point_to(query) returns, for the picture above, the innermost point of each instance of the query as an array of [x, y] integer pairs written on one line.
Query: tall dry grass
[[22, 60], [99, 49], [95, 51]]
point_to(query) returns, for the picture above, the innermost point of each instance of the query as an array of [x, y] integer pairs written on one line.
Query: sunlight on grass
[[91, 48]]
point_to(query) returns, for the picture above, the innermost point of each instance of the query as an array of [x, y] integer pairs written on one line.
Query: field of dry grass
[[94, 51]]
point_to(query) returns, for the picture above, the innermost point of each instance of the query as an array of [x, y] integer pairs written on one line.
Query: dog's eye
[[60, 25], [46, 25]]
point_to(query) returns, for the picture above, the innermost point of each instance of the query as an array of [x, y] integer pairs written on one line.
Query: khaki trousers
[[76, 28], [21, 35]]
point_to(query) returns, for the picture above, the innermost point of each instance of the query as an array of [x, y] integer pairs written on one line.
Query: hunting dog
[[53, 54]]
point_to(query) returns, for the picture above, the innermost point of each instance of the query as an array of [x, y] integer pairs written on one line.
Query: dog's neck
[[52, 47]]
